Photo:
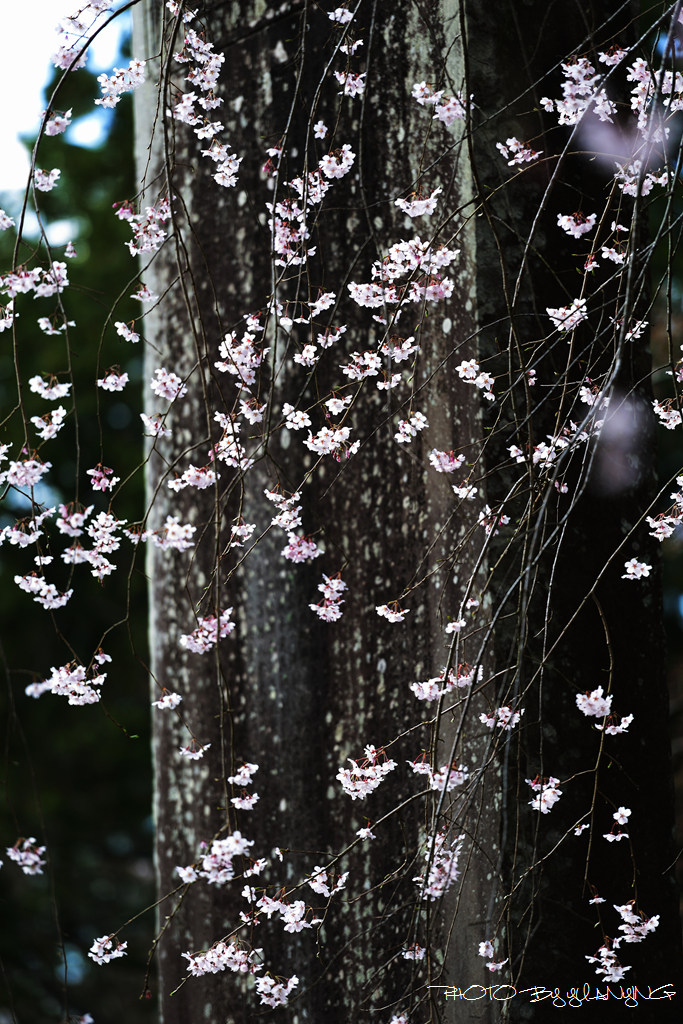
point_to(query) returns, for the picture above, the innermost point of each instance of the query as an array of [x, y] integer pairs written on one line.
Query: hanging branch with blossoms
[[327, 382]]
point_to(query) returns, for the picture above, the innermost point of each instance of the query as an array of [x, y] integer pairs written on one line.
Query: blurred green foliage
[[77, 778]]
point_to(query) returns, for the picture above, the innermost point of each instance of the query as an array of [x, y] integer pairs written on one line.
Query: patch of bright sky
[[26, 67]]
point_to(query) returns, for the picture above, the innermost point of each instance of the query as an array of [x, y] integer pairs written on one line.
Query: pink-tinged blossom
[[329, 609], [448, 777], [221, 957], [667, 415], [49, 390], [566, 318], [594, 703], [516, 152], [167, 385], [200, 477], [332, 441], [71, 681], [27, 855], [608, 967], [103, 949], [414, 952], [8, 316], [548, 793], [580, 92], [354, 84], [366, 833], [319, 130], [167, 700], [608, 252], [122, 80], [49, 425], [341, 15], [143, 294], [240, 533], [445, 462], [365, 776], [612, 56], [193, 751], [392, 612], [49, 327], [5, 221], [45, 181], [44, 593], [452, 109], [635, 925], [25, 472], [154, 425], [273, 992], [443, 861], [295, 419], [188, 875], [612, 729], [244, 775], [308, 356], [636, 570], [300, 549], [72, 518], [419, 205], [502, 718], [58, 123], [241, 359], [113, 380], [126, 332], [491, 520], [245, 803], [633, 182], [408, 429], [337, 163], [576, 224], [324, 884], [399, 349], [103, 478], [287, 517], [209, 631], [174, 534]]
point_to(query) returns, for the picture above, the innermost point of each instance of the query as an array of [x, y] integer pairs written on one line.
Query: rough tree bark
[[298, 696]]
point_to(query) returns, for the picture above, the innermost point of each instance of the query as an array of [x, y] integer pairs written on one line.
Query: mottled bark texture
[[298, 696], [295, 695]]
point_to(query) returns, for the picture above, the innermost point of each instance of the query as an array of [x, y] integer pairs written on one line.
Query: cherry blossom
[[502, 718], [113, 380], [45, 181], [122, 80], [103, 950], [27, 855], [594, 703], [209, 631], [517, 152], [636, 570], [363, 778], [548, 793], [576, 224], [167, 700], [393, 612], [166, 384], [443, 860], [58, 123], [566, 318], [103, 478]]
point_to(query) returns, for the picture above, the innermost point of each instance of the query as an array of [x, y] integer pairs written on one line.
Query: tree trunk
[[299, 696]]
